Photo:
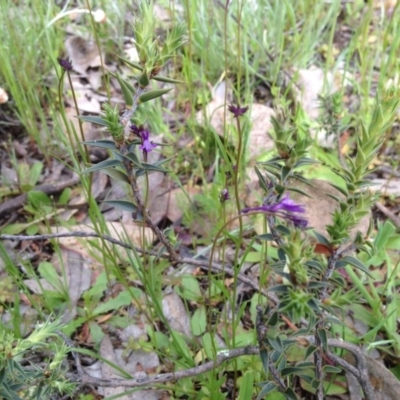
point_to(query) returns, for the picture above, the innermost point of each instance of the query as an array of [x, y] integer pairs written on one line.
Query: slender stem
[[96, 36]]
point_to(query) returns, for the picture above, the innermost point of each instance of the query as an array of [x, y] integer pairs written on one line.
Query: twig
[[391, 215], [48, 188], [360, 371], [224, 355], [198, 263]]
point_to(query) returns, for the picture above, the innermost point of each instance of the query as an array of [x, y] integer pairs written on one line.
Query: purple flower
[[287, 204], [65, 63], [224, 195], [237, 111], [285, 208], [146, 145], [136, 130], [144, 135]]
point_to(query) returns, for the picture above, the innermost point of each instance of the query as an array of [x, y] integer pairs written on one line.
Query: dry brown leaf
[[78, 274], [83, 54], [175, 313], [387, 187], [136, 364]]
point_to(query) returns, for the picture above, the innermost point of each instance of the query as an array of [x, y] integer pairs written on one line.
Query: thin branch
[[360, 371], [48, 188], [198, 263], [391, 215], [362, 374], [224, 355]]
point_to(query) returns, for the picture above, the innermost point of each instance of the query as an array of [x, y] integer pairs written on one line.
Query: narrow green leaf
[[198, 321], [93, 120], [131, 156], [38, 199], [122, 205], [116, 174], [266, 236], [246, 386], [305, 161], [279, 288], [291, 370], [268, 388], [103, 165], [314, 264], [283, 230], [324, 338], [125, 89], [285, 171], [356, 263], [167, 80], [290, 394], [336, 198], [293, 189], [105, 144], [261, 180], [123, 299], [276, 344], [322, 239], [265, 359], [35, 172], [153, 167], [331, 369], [130, 63], [342, 190], [152, 94]]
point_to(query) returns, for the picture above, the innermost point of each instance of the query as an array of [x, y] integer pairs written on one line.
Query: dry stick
[[198, 263], [48, 188], [360, 371], [224, 355], [390, 214], [333, 259]]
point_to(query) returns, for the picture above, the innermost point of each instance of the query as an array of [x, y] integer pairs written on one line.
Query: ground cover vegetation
[[198, 199]]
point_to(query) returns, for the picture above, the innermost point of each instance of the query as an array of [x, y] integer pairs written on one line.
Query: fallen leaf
[[259, 140], [175, 313]]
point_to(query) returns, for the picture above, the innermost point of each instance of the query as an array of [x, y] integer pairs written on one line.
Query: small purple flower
[[224, 195], [147, 146], [65, 63], [136, 130], [237, 111], [144, 135], [285, 208], [287, 204]]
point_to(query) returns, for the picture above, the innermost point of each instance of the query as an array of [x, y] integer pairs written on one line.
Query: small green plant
[[20, 380]]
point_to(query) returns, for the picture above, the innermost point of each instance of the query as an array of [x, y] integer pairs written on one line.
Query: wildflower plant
[[21, 381], [310, 281], [304, 298], [131, 140]]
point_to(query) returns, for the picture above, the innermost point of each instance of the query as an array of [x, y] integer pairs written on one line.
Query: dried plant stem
[[360, 370], [203, 264], [224, 355]]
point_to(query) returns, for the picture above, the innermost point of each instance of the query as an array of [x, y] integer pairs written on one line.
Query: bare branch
[[224, 355], [203, 264]]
